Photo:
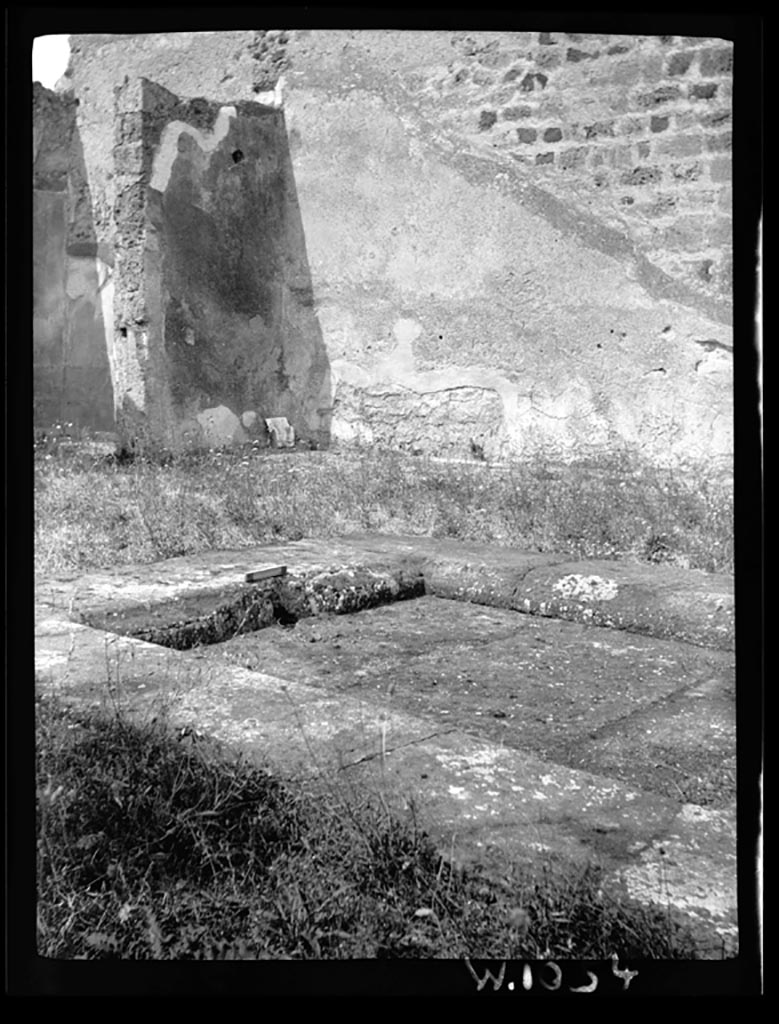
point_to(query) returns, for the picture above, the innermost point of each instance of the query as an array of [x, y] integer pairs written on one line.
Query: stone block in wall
[[599, 130], [725, 200], [129, 156], [516, 113], [652, 67], [658, 97], [715, 119], [680, 63], [716, 62], [703, 90], [721, 169], [570, 159], [642, 176], [574, 55], [720, 232], [719, 143], [533, 81], [688, 172], [626, 73], [548, 59], [681, 145]]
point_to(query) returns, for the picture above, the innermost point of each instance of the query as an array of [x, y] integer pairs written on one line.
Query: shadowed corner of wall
[[319, 393], [72, 285], [239, 339]]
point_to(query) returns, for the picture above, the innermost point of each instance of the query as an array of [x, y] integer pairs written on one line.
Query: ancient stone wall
[[214, 325], [434, 240], [70, 302], [635, 130]]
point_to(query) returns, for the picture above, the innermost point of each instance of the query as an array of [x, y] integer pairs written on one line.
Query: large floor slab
[[513, 736], [579, 695]]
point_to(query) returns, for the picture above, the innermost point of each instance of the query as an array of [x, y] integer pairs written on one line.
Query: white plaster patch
[[47, 660], [282, 434], [249, 418], [684, 880], [401, 360], [693, 868], [406, 331], [80, 279], [273, 97], [346, 431], [168, 147], [586, 588]]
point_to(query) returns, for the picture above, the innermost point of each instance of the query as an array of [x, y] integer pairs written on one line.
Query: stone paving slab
[[692, 606], [654, 600], [550, 686], [472, 796], [683, 744], [491, 805], [480, 797]]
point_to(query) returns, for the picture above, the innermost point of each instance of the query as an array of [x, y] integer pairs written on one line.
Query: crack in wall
[[710, 345]]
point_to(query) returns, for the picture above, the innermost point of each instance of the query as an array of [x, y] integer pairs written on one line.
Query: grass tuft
[[97, 512], [156, 845]]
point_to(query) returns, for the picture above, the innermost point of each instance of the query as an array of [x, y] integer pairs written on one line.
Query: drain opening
[[211, 619]]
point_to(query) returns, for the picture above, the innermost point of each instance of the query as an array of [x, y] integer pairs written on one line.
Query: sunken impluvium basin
[[523, 704]]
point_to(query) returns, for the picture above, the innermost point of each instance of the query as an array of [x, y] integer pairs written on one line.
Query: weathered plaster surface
[[561, 340], [168, 148], [452, 239], [232, 289], [71, 368]]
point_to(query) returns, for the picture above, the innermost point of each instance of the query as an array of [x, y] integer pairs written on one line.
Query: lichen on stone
[[586, 588]]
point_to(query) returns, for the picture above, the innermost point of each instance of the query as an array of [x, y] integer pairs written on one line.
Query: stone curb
[[203, 598], [657, 602]]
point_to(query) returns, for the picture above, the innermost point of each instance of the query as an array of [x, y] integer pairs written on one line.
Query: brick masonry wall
[[521, 238], [633, 130]]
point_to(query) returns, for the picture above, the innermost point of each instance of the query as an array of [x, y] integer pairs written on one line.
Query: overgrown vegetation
[[154, 845], [93, 512]]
